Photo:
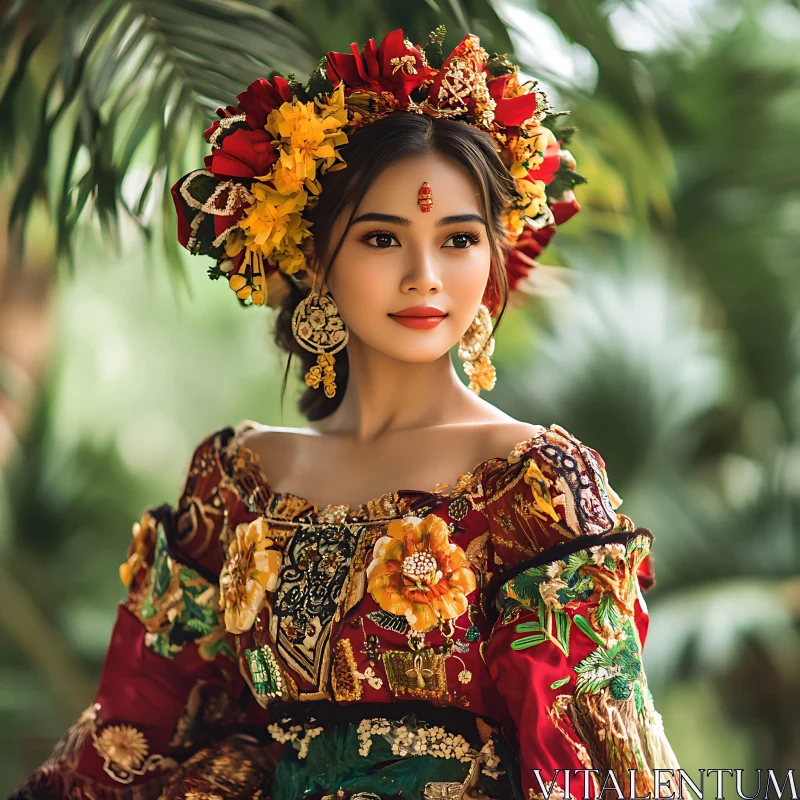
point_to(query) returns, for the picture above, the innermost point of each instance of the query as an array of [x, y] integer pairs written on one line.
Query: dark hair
[[369, 151]]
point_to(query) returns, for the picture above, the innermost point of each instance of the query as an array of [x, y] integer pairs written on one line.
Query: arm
[[568, 624], [169, 683]]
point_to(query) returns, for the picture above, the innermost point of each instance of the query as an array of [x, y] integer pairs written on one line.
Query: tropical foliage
[[664, 336]]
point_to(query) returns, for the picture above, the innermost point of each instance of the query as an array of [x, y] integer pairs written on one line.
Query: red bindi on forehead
[[425, 198]]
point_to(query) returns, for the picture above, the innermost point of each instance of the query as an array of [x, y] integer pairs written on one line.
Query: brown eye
[[462, 241], [383, 239]]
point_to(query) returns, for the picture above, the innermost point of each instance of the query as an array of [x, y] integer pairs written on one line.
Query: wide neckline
[[363, 510]]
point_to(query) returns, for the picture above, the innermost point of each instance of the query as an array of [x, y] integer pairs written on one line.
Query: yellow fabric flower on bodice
[[249, 572], [418, 573]]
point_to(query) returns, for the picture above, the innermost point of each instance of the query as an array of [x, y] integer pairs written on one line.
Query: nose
[[421, 275]]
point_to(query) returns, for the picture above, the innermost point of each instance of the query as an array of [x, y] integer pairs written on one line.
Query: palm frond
[[127, 76]]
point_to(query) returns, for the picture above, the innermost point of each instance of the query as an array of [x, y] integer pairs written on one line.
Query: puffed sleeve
[[169, 684], [568, 623]]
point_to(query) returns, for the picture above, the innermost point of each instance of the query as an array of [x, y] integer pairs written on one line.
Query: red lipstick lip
[[419, 311], [419, 317]]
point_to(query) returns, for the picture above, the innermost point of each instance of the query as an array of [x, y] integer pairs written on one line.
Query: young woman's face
[[408, 283]]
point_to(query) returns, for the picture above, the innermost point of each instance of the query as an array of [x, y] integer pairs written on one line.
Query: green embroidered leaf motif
[[563, 624], [608, 612], [583, 586], [198, 626], [186, 575], [630, 663], [529, 627], [160, 645], [584, 626], [559, 683], [388, 621], [620, 688], [638, 699], [179, 595], [528, 641], [574, 562], [613, 652], [592, 683], [526, 585], [162, 577], [638, 543], [148, 609], [595, 672], [511, 605], [598, 660]]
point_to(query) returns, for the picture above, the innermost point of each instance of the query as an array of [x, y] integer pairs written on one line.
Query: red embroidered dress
[[441, 644]]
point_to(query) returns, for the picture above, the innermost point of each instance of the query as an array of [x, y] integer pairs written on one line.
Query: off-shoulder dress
[[482, 640]]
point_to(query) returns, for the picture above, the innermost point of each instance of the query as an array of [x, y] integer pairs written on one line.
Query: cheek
[[466, 278], [360, 284]]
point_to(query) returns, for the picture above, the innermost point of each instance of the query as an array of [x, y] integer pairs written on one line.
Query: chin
[[418, 352]]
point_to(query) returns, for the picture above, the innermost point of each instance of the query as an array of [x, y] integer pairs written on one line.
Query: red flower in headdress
[[564, 209], [261, 98], [249, 153], [257, 101], [547, 169], [522, 259], [242, 154], [512, 107], [394, 66]]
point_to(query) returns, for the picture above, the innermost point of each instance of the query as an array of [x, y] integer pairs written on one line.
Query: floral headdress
[[247, 207]]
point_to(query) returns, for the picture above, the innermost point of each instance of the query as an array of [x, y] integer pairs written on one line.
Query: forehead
[[395, 190]]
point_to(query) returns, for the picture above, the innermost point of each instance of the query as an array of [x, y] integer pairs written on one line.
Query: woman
[[301, 624]]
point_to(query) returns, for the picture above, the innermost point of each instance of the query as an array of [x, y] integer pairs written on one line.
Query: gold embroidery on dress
[[513, 545], [419, 674], [345, 684], [505, 488], [477, 552], [355, 583], [227, 769], [504, 521], [124, 750]]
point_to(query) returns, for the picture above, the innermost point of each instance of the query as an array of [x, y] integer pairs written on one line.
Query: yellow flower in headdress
[[307, 136], [513, 222], [528, 149], [290, 259], [287, 181], [335, 107], [273, 219], [532, 198]]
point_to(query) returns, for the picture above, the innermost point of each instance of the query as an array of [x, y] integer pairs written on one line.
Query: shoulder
[[551, 488], [208, 496]]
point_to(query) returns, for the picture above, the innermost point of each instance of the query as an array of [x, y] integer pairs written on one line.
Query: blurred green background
[[667, 339]]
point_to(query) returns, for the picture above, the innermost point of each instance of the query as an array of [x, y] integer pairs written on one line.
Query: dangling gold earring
[[475, 349], [317, 326]]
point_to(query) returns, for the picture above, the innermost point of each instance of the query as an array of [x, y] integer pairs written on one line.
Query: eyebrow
[[374, 216]]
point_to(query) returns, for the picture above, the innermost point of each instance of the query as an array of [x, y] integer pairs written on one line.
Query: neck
[[384, 395]]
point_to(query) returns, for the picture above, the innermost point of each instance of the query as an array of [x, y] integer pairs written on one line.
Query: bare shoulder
[[275, 444], [502, 437]]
